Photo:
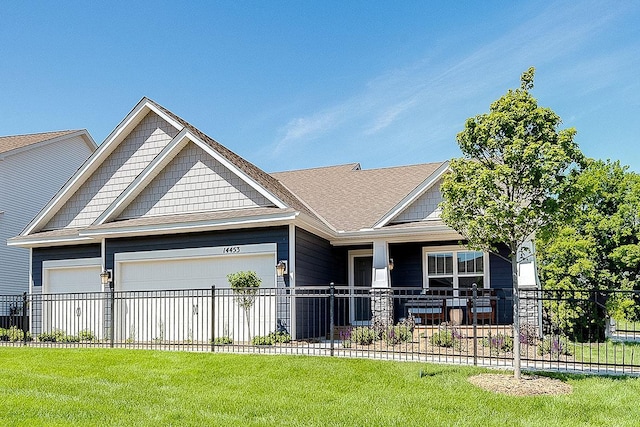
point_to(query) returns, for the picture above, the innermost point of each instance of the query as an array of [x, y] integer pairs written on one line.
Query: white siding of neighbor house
[[194, 182], [425, 207], [133, 154], [28, 180]]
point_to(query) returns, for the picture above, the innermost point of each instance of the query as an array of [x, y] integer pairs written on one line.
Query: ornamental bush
[[363, 335]]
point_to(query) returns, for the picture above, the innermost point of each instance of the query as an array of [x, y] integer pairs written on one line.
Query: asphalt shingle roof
[[353, 199], [8, 143]]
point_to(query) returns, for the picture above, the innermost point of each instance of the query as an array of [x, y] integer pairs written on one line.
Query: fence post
[[213, 318], [24, 318], [112, 314], [474, 310], [332, 291]]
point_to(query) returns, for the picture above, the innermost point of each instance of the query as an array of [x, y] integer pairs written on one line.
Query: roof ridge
[[63, 132], [354, 164], [263, 178]]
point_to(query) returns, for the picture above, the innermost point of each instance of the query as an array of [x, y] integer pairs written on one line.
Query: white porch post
[[381, 294], [380, 276]]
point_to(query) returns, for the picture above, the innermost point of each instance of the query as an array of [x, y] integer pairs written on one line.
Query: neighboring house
[[164, 206], [32, 168]]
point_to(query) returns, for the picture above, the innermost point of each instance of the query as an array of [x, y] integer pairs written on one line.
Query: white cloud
[[427, 99]]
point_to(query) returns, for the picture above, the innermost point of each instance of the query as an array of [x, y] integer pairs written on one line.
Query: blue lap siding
[[59, 253]]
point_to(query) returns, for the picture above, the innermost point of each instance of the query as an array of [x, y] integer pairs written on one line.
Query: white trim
[[144, 178], [82, 133], [58, 241], [70, 263], [352, 255], [428, 233], [237, 171], [411, 197], [233, 251], [454, 249], [95, 160], [189, 227], [206, 252], [30, 272], [292, 278]]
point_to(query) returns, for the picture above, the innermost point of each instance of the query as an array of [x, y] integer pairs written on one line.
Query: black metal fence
[[559, 330]]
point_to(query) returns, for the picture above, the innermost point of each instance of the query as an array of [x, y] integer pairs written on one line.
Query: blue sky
[[291, 85]]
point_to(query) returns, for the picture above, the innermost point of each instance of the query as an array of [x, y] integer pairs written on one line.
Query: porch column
[[381, 294]]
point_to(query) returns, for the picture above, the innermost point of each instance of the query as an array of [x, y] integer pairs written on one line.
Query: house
[[160, 205], [32, 168]]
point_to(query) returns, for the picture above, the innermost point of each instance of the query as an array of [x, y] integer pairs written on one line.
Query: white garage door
[[73, 301], [181, 314]]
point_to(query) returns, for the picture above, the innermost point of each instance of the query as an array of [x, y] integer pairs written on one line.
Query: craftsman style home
[[160, 205]]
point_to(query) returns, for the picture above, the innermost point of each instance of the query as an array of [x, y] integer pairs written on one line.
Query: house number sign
[[231, 250]]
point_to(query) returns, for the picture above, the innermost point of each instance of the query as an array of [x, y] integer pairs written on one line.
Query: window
[[458, 269]]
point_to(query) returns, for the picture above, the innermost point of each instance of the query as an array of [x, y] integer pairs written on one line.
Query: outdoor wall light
[[390, 264], [281, 268], [106, 277]]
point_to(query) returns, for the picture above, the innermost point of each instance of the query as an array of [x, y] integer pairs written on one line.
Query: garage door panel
[[72, 300], [199, 273], [186, 316]]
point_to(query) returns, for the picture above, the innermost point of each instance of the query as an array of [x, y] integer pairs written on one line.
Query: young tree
[[597, 252], [510, 181], [244, 285]]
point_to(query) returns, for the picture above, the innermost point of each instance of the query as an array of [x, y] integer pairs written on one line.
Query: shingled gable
[[280, 198]]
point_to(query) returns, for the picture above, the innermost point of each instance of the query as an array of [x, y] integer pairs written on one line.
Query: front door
[[362, 267]]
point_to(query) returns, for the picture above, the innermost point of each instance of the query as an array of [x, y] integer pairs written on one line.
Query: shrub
[[363, 335], [397, 334], [14, 334], [262, 340], [280, 337], [555, 346], [446, 337], [345, 337], [222, 340], [86, 335], [498, 342], [57, 335], [528, 334]]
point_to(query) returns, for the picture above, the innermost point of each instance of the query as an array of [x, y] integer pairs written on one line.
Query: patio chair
[[428, 306], [484, 308]]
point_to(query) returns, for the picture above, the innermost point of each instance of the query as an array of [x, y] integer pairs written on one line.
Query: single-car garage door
[[73, 299], [181, 313]]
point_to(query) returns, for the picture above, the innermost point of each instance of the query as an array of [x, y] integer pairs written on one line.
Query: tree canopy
[[599, 248], [514, 169], [511, 180]]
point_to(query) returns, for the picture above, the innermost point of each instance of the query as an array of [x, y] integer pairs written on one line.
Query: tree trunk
[[516, 315]]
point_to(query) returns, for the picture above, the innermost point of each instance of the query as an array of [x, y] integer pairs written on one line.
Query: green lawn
[[136, 387]]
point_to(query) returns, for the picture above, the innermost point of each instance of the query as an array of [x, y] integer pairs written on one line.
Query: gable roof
[[353, 199], [185, 132], [261, 177], [14, 142]]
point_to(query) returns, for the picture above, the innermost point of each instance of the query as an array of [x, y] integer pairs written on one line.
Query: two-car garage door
[[184, 311]]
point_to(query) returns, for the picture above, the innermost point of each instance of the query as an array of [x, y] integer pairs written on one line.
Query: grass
[[134, 387], [608, 352]]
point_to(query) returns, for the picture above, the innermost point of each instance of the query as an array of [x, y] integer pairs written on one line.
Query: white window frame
[[454, 250]]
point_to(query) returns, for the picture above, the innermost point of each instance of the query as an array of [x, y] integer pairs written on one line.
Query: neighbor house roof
[[13, 142], [351, 198]]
